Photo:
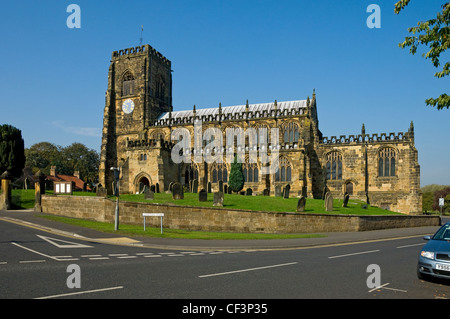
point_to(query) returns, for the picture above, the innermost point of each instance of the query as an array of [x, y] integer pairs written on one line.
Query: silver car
[[434, 258]]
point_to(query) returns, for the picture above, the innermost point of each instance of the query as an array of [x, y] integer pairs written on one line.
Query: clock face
[[128, 106]]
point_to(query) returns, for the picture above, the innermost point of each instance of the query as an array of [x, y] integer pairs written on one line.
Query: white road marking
[[413, 245], [31, 261], [384, 287], [66, 244], [80, 292], [34, 251], [248, 269], [353, 254]]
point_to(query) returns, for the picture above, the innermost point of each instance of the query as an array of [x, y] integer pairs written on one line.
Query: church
[[279, 143]]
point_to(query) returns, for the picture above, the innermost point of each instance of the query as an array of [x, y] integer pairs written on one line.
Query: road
[[36, 264]]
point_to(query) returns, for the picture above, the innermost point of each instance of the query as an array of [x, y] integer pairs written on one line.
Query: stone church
[[138, 136]]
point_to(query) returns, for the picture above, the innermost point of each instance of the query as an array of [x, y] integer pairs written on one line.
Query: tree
[[76, 157], [12, 155], [42, 156], [236, 178], [435, 34], [444, 193]]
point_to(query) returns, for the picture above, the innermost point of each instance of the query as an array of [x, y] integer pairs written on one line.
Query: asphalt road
[[39, 264]]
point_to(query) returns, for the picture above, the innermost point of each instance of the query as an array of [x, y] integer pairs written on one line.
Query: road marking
[[413, 245], [90, 256], [67, 244], [150, 256], [80, 292], [248, 269], [31, 261], [98, 258], [126, 257], [33, 251], [388, 288], [117, 255], [353, 254], [3, 262]]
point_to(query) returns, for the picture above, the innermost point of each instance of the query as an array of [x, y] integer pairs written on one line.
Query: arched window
[[219, 172], [128, 84], [284, 172], [334, 166], [251, 172], [386, 162], [291, 133], [190, 173]]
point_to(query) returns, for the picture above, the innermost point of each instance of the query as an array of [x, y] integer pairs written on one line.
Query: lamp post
[[116, 171]]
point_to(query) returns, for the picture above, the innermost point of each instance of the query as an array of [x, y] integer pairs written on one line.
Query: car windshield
[[443, 233]]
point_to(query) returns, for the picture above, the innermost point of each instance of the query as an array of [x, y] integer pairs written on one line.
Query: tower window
[[128, 84]]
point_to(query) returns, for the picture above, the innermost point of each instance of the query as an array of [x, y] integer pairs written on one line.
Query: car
[[434, 258]]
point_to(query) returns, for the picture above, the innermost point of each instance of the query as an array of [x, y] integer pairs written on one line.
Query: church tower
[[139, 91]]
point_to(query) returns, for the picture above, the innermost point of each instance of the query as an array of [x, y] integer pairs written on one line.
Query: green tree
[[434, 34], [236, 178], [77, 157], [12, 155], [43, 155]]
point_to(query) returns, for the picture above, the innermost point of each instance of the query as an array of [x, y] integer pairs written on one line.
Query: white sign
[[441, 202], [153, 214]]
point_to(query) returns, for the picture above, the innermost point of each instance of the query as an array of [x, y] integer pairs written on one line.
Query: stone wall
[[229, 220]]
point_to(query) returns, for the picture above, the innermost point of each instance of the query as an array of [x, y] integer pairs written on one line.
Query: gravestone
[[157, 188], [190, 186], [286, 191], [195, 186], [328, 202], [152, 188], [230, 191], [101, 191], [225, 189], [209, 187], [346, 198], [221, 186], [266, 192], [170, 186], [277, 191], [149, 194], [202, 195], [249, 192], [218, 199], [301, 204], [177, 191]]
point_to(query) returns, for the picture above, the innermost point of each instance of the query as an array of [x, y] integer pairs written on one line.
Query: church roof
[[258, 110]]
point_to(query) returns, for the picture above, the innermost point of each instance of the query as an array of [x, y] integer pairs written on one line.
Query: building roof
[[259, 110], [67, 178]]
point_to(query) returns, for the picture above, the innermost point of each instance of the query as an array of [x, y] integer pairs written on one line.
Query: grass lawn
[[263, 203]]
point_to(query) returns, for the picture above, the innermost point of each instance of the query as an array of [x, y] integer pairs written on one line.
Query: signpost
[[441, 204], [154, 215]]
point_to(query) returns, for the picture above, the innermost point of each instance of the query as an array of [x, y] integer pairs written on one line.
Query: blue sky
[[53, 79]]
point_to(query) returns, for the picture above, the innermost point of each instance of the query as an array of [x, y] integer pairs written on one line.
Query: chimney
[[53, 171], [76, 174]]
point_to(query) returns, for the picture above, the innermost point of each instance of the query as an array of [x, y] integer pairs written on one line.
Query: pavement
[[29, 218]]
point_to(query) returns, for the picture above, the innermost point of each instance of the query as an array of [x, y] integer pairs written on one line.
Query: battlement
[[363, 138], [143, 49]]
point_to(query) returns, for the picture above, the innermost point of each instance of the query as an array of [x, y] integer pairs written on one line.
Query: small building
[[79, 184]]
